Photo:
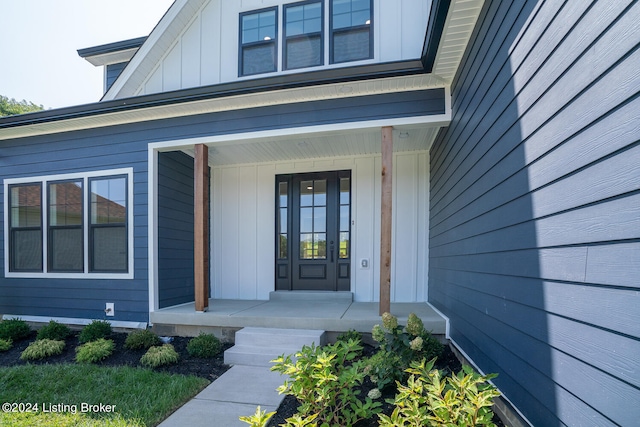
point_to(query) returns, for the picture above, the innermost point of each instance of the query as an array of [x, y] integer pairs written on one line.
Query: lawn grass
[[141, 397]]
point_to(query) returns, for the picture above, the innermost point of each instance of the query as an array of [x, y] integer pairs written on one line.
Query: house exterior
[[243, 148]]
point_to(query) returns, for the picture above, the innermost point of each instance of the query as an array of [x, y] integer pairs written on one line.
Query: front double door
[[313, 231]]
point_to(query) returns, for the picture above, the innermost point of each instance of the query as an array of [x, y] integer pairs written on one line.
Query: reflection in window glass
[[65, 226], [351, 30], [345, 217], [313, 219], [258, 42], [303, 35], [25, 232], [283, 202], [108, 227]]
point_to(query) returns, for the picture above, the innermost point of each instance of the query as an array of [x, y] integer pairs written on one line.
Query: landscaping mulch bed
[[210, 369]]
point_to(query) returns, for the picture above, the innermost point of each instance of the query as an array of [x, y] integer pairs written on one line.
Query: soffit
[[457, 31]]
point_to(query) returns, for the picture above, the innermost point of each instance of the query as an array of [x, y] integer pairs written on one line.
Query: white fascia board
[[112, 57]]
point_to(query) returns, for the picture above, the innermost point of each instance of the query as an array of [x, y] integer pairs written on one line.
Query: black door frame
[[332, 273]]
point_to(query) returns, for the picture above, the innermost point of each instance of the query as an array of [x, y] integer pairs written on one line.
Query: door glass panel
[[284, 191], [345, 217], [313, 219], [306, 220], [283, 201], [344, 244]]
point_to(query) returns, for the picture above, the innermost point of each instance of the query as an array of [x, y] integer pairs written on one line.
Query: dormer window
[[304, 39], [351, 32], [259, 48]]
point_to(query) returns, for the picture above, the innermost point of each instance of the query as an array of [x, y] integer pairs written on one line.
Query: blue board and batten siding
[[535, 208], [126, 146], [175, 229]]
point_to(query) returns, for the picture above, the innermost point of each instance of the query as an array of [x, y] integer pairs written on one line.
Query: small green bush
[[54, 331], [428, 399], [142, 339], [259, 419], [41, 349], [325, 381], [204, 346], [398, 347], [95, 330], [351, 334], [5, 345], [14, 329], [94, 351], [159, 356]]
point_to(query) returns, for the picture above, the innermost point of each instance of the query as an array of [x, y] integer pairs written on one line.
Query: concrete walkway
[[236, 393]]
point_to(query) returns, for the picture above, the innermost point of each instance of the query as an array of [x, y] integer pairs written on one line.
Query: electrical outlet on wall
[[110, 309]]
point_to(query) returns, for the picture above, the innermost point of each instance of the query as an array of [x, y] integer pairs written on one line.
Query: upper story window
[[304, 41], [258, 47], [351, 30], [70, 225]]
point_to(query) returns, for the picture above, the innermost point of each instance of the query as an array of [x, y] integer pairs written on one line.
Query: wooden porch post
[[385, 220], [201, 227]]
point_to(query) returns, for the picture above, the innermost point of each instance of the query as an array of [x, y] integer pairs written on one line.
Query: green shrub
[[159, 356], [5, 345], [54, 331], [259, 419], [94, 351], [204, 346], [324, 380], [464, 399], [141, 339], [42, 348], [349, 335], [399, 346], [95, 330], [14, 329]]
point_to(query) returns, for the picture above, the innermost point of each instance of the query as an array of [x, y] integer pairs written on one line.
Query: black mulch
[[188, 365]]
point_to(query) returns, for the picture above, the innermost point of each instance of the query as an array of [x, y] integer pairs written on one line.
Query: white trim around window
[[85, 177]]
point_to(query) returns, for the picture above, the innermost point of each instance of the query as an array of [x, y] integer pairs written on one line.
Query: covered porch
[[334, 312]]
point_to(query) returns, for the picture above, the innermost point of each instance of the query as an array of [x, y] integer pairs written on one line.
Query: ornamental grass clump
[[204, 346], [54, 331], [398, 347], [160, 356], [95, 330], [142, 339], [42, 349], [5, 345], [94, 351], [428, 399], [14, 329], [325, 381]]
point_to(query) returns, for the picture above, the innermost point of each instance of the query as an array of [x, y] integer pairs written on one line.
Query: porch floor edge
[[331, 316]]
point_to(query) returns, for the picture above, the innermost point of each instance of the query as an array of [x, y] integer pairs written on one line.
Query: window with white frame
[[304, 44], [70, 225]]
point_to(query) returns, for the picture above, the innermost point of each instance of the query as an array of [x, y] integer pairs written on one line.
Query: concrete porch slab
[[330, 316]]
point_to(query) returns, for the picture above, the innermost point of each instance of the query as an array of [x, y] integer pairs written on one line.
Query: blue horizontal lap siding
[[175, 229], [126, 146], [535, 208]]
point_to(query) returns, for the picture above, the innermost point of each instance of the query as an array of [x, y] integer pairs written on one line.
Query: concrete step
[[315, 296], [258, 346]]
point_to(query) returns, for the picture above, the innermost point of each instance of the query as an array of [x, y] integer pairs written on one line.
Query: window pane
[[306, 246], [284, 194], [26, 250], [345, 189], [306, 220], [109, 249], [341, 6], [344, 218], [108, 201], [320, 246], [304, 52], [351, 45], [259, 59], [26, 206], [306, 193], [283, 220], [344, 245], [65, 203], [283, 247], [342, 21], [320, 219], [320, 192], [65, 249]]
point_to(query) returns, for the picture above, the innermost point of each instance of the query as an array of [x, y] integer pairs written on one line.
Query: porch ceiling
[[310, 146]]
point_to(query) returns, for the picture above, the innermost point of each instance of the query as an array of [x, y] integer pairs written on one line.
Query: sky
[[39, 41]]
